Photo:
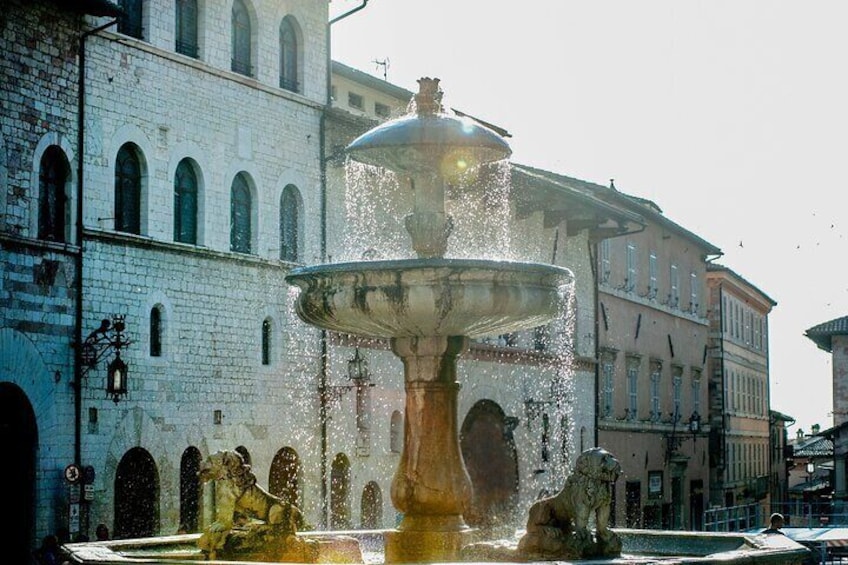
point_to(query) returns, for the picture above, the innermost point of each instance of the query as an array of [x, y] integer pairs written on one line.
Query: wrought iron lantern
[[357, 368], [116, 378], [99, 343], [694, 424]]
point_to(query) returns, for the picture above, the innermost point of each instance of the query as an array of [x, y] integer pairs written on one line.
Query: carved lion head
[[598, 464], [223, 465]]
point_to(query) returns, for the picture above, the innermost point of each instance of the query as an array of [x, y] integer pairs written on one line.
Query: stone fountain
[[429, 308]]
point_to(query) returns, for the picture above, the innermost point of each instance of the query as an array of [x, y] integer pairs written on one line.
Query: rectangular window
[[656, 378], [606, 264], [382, 110], [696, 391], [676, 387], [653, 287], [674, 286], [633, 390], [355, 101], [693, 293], [630, 282], [609, 376]]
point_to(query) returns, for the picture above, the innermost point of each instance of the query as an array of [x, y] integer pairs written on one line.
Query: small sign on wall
[[655, 484]]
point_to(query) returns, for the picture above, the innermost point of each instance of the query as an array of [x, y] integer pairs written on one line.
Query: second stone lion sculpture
[[558, 526], [236, 493]]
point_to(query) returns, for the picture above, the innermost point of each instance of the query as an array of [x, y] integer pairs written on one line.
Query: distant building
[[653, 332], [780, 455], [832, 337], [740, 450]]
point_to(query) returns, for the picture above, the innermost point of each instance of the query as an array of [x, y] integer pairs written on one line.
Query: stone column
[[431, 486]]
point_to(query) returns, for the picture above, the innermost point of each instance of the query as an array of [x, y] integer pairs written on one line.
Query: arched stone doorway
[[18, 442], [371, 507], [284, 477], [340, 493], [492, 462], [136, 495], [190, 489]]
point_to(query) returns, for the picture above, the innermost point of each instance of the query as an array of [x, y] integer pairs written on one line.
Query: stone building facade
[[739, 390], [653, 331], [39, 260], [832, 337]]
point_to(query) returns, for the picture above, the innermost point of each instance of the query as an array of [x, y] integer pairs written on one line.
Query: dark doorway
[[18, 441], [371, 507], [189, 489], [492, 462], [340, 493], [676, 503], [696, 505], [136, 495], [633, 504], [283, 478]]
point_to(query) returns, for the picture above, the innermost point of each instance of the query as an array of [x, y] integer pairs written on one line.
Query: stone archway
[[284, 477], [18, 443], [371, 507], [136, 495], [340, 493], [492, 462]]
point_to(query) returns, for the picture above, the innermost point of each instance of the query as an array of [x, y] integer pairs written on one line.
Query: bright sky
[[731, 115]]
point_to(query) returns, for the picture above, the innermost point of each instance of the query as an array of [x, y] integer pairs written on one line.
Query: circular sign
[[88, 474], [73, 473]]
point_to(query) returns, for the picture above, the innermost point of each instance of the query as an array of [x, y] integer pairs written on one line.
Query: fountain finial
[[428, 101]]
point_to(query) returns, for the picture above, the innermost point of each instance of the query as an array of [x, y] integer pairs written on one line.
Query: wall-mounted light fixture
[[99, 343]]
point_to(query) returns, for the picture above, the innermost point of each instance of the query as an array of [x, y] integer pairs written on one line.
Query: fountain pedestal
[[431, 497]]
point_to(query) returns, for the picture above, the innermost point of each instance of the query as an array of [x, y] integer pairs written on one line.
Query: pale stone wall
[[38, 91], [213, 301]]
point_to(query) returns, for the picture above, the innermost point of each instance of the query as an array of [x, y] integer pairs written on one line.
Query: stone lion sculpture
[[558, 526], [237, 494]]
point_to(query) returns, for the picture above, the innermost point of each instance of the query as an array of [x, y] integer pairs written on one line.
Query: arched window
[[52, 201], [156, 332], [185, 203], [241, 39], [240, 215], [289, 224], [128, 190], [186, 27], [396, 433], [288, 55], [266, 341], [130, 22]]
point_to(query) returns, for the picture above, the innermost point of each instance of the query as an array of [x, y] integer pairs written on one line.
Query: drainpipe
[[78, 339], [322, 377]]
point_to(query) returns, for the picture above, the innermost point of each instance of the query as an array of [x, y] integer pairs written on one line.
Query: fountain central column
[[431, 486]]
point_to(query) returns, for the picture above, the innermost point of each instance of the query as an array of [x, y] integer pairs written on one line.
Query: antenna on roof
[[385, 64]]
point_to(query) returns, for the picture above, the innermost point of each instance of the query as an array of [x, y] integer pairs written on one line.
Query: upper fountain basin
[[429, 143], [432, 297]]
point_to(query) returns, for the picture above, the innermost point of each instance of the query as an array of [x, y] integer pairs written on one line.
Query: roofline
[[643, 207], [371, 81], [719, 268], [399, 92], [589, 199]]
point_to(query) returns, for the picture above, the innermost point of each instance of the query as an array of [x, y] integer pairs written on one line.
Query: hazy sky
[[730, 115]]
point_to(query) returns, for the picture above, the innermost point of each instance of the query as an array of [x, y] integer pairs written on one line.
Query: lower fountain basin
[[429, 297], [640, 547]]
